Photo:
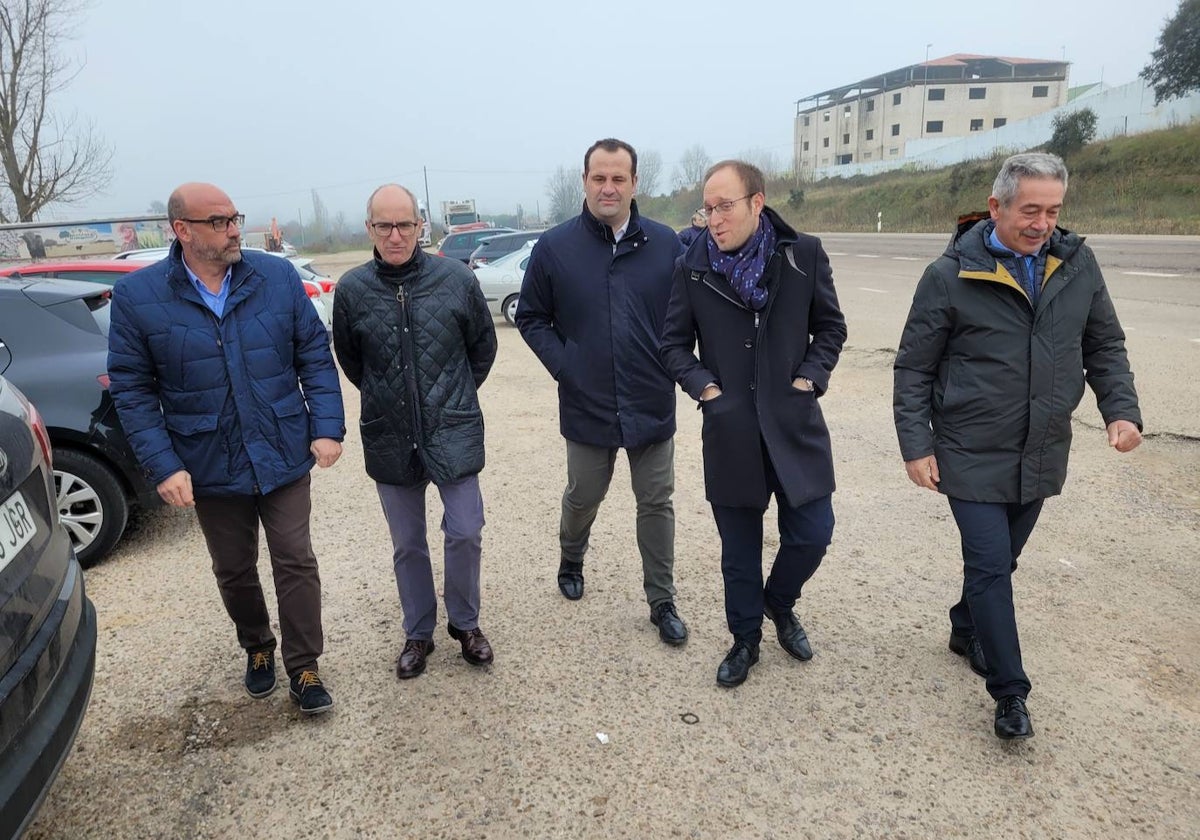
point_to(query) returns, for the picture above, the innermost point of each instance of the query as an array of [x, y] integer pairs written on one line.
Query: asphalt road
[[1154, 282]]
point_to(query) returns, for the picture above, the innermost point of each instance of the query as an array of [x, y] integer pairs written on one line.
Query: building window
[[825, 142], [870, 134], [806, 122], [844, 159], [999, 121], [895, 129], [845, 139], [825, 117], [894, 150], [933, 127], [806, 145], [895, 99], [870, 104], [937, 94], [1041, 91], [866, 155], [977, 125], [977, 93], [846, 110]]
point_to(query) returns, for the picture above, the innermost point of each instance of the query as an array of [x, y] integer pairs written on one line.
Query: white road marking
[[1150, 274], [883, 292], [867, 256], [908, 259], [836, 253], [1066, 563], [1196, 341]]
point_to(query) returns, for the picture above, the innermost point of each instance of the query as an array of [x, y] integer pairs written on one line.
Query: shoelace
[[261, 661], [308, 679], [1014, 702]]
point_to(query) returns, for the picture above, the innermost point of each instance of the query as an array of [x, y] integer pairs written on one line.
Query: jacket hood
[[695, 257], [969, 245]]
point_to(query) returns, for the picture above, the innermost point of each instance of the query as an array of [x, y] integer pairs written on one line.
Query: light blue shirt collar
[[215, 302]]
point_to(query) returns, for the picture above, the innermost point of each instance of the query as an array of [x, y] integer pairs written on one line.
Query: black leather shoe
[[792, 637], [475, 646], [412, 659], [1012, 719], [968, 646], [671, 628], [570, 580], [736, 665]]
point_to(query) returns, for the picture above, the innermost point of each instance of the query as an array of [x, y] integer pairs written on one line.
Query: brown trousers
[[230, 526]]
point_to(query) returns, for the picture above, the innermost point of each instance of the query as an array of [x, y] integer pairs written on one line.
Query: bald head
[[389, 206], [391, 194], [186, 197]]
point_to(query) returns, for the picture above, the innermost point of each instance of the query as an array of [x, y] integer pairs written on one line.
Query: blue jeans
[[993, 534]]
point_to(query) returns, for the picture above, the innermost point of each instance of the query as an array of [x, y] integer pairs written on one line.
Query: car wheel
[[510, 309], [91, 504]]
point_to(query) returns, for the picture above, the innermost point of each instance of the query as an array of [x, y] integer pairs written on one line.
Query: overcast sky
[[270, 100]]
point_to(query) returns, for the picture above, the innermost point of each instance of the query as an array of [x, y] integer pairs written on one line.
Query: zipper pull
[[755, 320]]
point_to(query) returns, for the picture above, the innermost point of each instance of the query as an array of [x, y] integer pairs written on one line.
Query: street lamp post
[[924, 88]]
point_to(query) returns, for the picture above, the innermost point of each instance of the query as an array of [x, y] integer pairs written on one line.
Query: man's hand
[[711, 392], [1123, 435], [801, 383], [327, 451], [177, 490], [923, 472]]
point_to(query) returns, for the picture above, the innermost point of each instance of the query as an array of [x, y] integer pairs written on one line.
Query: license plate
[[17, 527]]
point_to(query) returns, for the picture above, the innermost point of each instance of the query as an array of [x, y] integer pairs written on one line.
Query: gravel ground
[[884, 733]]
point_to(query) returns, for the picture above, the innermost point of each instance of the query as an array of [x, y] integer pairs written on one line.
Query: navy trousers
[[805, 532], [993, 534]]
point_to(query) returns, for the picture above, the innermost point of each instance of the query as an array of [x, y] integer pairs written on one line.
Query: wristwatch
[[807, 381]]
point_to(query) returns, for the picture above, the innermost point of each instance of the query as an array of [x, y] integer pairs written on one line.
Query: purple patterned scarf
[[744, 267]]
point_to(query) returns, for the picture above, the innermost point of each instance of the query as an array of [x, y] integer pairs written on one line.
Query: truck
[[426, 229], [458, 214], [84, 238]]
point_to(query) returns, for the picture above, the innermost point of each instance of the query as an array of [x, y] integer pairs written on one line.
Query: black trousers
[[230, 526], [993, 534], [804, 534]]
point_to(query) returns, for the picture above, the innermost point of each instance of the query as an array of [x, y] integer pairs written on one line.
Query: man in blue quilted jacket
[[224, 383]]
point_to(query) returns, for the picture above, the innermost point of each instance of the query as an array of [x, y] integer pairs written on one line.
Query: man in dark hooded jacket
[[759, 299], [1004, 329], [413, 333]]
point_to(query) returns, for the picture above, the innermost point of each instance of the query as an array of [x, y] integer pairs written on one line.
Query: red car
[[107, 272]]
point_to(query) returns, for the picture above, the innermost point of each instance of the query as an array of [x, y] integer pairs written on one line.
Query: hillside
[[1147, 183]]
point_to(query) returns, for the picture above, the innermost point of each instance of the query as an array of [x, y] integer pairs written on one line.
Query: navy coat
[[754, 357], [594, 318], [237, 400]]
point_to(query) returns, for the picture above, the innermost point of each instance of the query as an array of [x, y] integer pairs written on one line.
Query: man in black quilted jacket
[[413, 333]]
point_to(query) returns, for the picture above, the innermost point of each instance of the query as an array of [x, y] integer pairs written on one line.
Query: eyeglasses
[[722, 208], [384, 229], [220, 223]]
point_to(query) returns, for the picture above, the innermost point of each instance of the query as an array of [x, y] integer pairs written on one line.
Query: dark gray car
[[459, 245], [47, 623], [494, 247]]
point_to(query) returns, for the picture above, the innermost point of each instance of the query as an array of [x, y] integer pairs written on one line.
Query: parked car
[[47, 622], [500, 282], [107, 272], [459, 245], [494, 247], [54, 347]]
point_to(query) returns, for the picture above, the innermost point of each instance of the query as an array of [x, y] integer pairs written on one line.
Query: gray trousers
[[652, 473], [462, 524], [230, 526]]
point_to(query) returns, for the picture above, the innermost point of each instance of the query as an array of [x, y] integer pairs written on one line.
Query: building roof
[[950, 68]]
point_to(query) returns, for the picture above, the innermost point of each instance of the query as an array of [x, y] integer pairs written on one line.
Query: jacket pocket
[[291, 421], [191, 424], [198, 443]]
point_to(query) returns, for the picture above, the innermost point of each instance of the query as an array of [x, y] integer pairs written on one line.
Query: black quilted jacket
[[417, 340]]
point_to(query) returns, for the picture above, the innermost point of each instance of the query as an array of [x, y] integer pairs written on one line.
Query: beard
[[226, 253]]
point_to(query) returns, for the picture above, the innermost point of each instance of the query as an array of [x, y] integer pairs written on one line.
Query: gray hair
[[1028, 165], [416, 206]]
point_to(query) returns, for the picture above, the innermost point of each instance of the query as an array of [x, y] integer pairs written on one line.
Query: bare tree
[[44, 157], [650, 168], [765, 159], [691, 167], [157, 207], [565, 190], [319, 226]]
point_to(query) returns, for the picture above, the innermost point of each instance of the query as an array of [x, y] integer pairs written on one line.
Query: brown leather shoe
[[475, 647], [412, 659]]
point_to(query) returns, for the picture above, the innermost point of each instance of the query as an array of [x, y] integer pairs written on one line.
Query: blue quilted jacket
[[236, 401]]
